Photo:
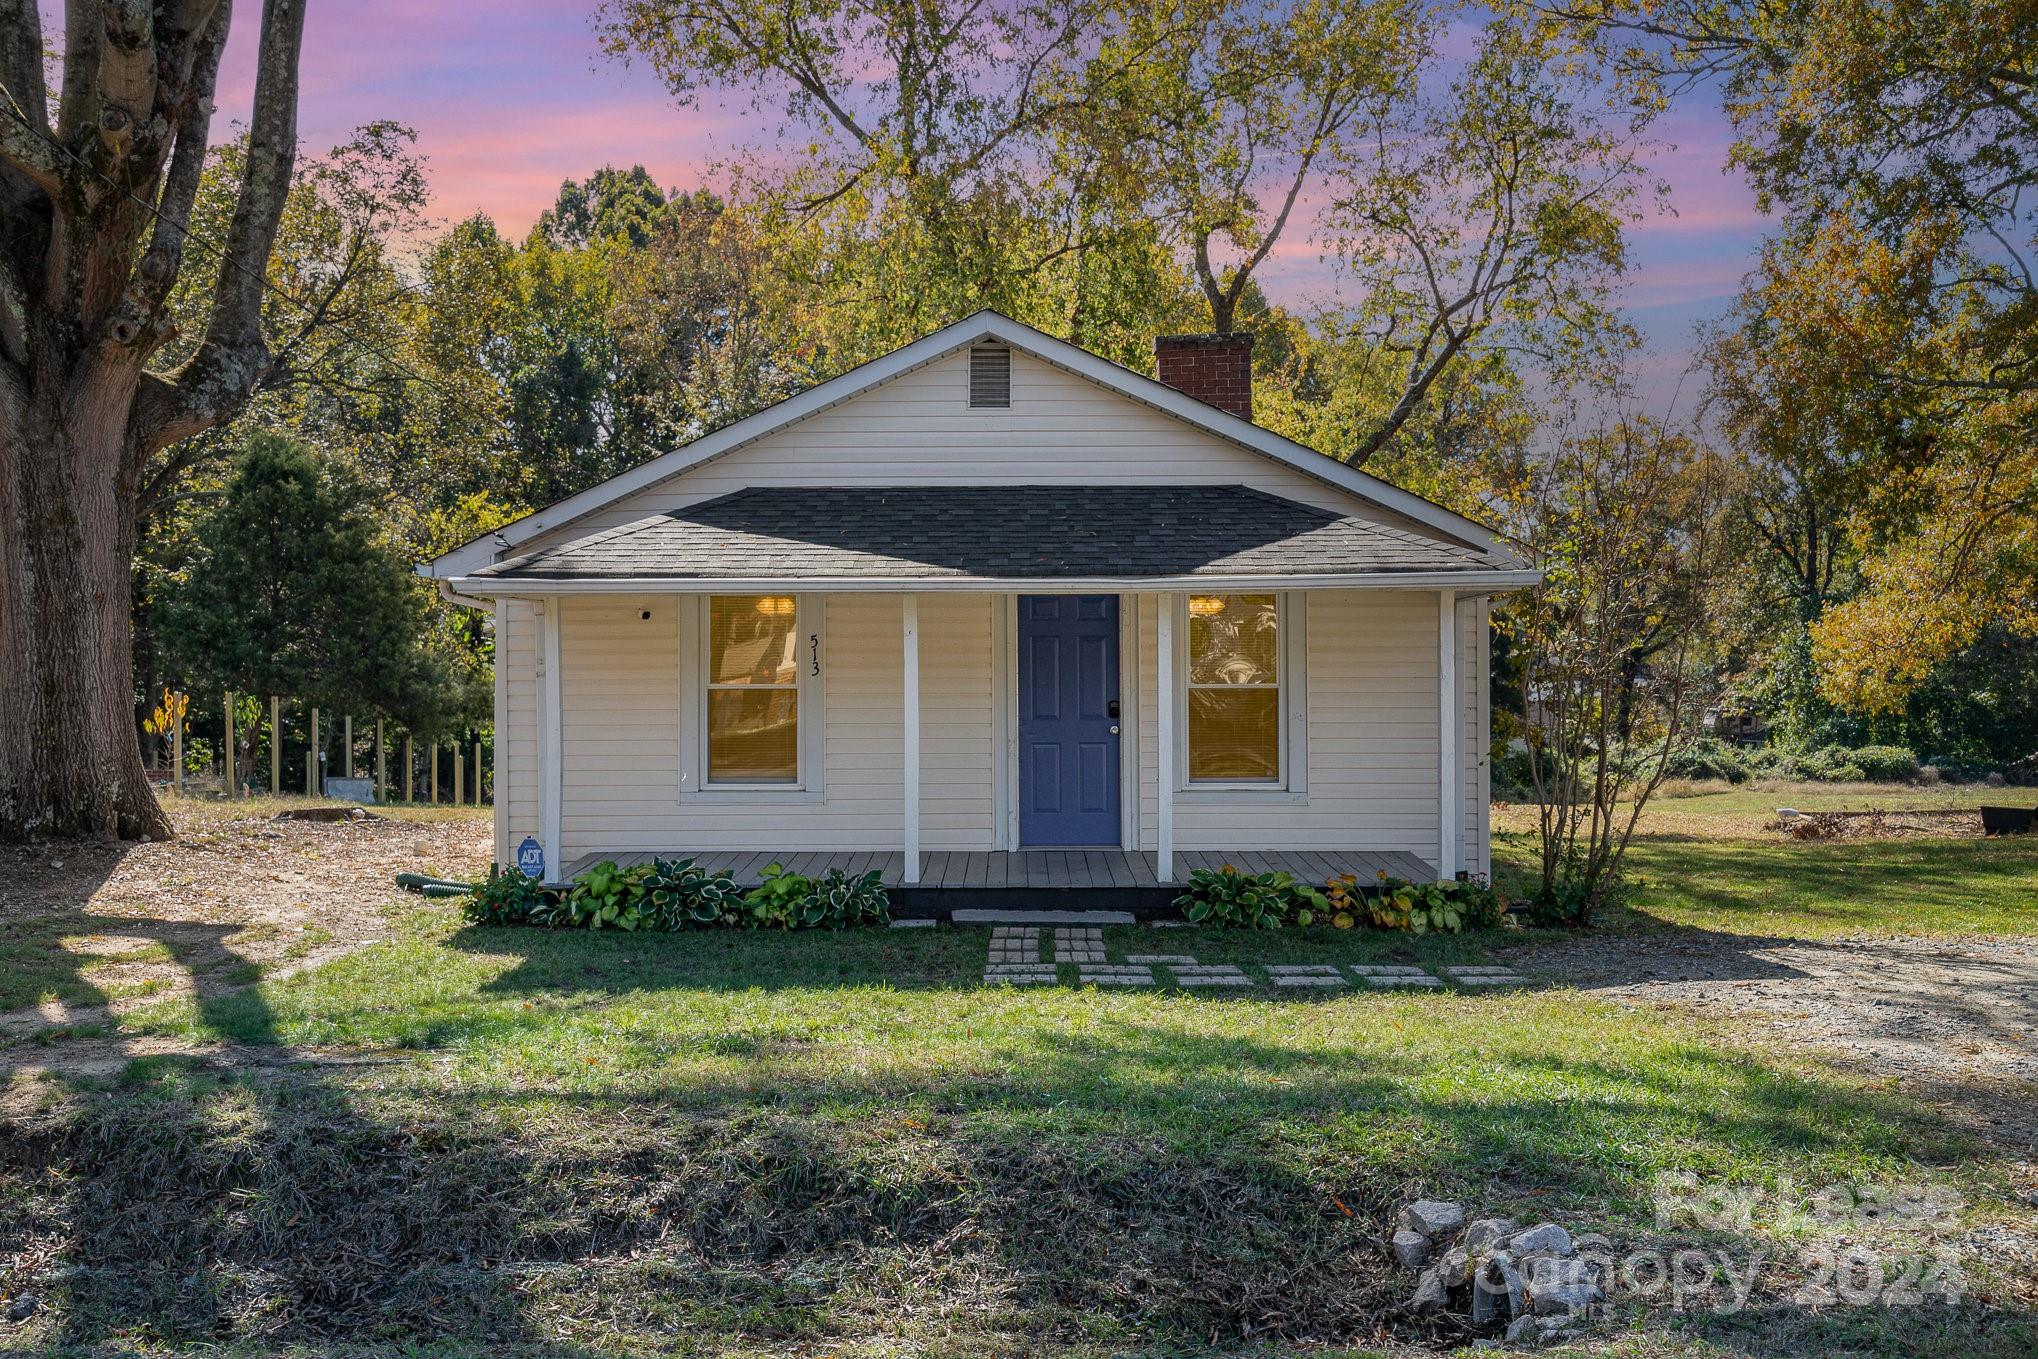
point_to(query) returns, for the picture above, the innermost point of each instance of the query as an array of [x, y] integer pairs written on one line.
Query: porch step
[[980, 916]]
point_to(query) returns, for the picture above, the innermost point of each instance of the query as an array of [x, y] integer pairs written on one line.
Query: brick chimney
[[1213, 368]]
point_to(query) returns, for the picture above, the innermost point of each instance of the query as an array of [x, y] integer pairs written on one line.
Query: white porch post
[[1164, 731], [548, 744], [910, 610], [1447, 735]]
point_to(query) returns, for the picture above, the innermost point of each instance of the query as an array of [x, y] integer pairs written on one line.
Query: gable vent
[[990, 379]]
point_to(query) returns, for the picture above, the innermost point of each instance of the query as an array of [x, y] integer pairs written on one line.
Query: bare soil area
[[89, 930]]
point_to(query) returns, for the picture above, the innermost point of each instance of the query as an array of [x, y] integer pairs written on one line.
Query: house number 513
[[814, 650]]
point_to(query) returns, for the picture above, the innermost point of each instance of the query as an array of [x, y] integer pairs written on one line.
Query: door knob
[[1114, 728]]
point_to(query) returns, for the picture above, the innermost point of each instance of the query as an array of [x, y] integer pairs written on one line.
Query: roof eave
[[1470, 582]]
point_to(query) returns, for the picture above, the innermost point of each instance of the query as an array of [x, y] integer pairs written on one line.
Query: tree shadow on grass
[[1132, 1183], [193, 1201]]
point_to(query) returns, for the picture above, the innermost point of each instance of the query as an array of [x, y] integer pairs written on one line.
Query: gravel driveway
[[1955, 1020]]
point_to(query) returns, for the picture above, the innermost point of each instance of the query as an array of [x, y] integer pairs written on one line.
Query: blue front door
[[1068, 719]]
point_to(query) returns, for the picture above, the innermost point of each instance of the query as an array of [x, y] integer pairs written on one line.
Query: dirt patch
[[237, 897], [1954, 1022], [1878, 825]]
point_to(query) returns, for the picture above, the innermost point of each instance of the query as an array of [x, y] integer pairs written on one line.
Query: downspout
[[455, 598]]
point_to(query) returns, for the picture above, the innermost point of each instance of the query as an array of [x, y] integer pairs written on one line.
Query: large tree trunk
[[69, 763], [94, 212]]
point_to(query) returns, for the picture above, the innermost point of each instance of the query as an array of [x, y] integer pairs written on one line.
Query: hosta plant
[[607, 897], [681, 894], [844, 900], [780, 901], [1435, 907], [1225, 896]]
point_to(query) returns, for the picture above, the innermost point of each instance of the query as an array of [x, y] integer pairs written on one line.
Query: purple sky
[[509, 97]]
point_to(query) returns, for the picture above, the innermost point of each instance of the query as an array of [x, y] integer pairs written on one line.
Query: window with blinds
[[990, 378], [1234, 689], [753, 689]]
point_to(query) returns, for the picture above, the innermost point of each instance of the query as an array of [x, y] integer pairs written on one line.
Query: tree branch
[[165, 256], [84, 33], [21, 60], [218, 379]]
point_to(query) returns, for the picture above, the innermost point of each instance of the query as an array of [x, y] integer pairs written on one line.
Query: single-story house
[[995, 614]]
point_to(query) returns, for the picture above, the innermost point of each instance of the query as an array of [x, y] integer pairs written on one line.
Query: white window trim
[[810, 787], [1290, 624]]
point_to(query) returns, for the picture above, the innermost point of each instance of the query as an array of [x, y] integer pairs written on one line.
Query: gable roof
[[946, 536], [978, 328]]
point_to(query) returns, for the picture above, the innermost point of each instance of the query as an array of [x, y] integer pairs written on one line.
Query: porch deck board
[[1031, 868]]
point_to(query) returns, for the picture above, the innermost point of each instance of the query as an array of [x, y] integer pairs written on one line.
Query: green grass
[[841, 1144], [35, 966], [1705, 859], [1816, 889]]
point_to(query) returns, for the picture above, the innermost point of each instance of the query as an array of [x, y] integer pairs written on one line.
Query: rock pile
[[1530, 1283]]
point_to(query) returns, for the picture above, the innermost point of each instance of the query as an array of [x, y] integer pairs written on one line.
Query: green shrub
[[506, 897], [606, 897], [845, 901], [1435, 907], [680, 894], [1886, 764], [1708, 758], [780, 901], [1225, 896]]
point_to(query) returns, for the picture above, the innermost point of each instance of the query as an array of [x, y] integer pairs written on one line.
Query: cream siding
[[516, 727], [620, 695], [918, 430], [1370, 700]]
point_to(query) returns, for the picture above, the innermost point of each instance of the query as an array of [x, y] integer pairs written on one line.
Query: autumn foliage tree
[[97, 187], [1898, 301]]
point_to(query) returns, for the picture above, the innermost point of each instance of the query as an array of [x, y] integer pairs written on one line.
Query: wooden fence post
[[410, 769], [349, 721], [477, 771], [311, 787], [177, 750], [228, 767], [434, 786], [275, 745], [457, 780], [381, 764]]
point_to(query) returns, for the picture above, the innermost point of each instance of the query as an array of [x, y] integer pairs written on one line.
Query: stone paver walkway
[[1014, 959]]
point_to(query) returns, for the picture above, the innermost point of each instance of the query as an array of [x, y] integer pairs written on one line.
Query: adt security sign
[[531, 858]]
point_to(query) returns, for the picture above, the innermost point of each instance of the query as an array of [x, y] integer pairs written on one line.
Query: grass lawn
[[1704, 860], [842, 1145]]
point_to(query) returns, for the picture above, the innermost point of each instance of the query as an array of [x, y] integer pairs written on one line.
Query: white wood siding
[[1373, 748], [620, 701], [1371, 700], [918, 430], [516, 728]]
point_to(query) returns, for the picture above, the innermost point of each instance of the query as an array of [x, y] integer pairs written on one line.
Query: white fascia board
[[983, 325], [1466, 582]]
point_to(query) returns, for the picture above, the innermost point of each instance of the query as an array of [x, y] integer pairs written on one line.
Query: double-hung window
[[1234, 676], [753, 690]]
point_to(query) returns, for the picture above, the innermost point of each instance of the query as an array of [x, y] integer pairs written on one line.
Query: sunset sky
[[512, 96]]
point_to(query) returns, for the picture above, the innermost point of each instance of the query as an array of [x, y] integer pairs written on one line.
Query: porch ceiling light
[[1205, 605], [775, 606]]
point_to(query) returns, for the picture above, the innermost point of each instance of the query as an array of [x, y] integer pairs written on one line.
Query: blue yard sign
[[531, 858]]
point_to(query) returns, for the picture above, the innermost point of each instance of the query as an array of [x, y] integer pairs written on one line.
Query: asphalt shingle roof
[[1019, 532]]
